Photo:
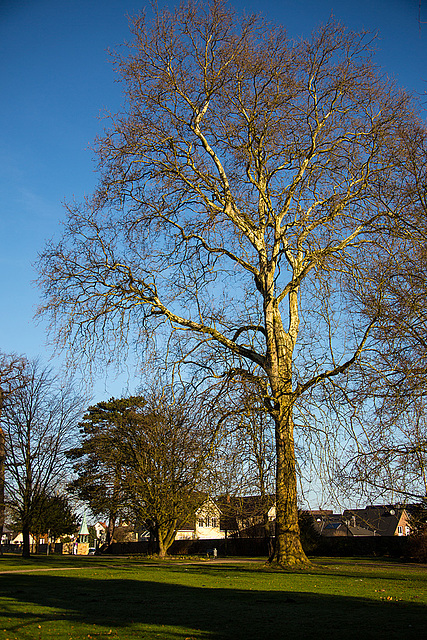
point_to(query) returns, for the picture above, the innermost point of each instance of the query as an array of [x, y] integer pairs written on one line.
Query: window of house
[[201, 522], [399, 531], [214, 522]]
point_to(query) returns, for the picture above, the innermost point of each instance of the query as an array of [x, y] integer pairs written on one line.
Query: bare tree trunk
[[265, 507], [288, 550], [110, 530], [165, 539], [26, 551], [162, 548]]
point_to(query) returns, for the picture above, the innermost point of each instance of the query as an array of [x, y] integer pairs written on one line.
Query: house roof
[[361, 532], [331, 524], [7, 529], [383, 519], [235, 509]]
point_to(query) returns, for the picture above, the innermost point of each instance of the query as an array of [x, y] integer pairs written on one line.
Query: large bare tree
[[247, 177]]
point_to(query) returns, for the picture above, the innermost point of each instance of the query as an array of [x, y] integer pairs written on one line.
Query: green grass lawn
[[129, 598]]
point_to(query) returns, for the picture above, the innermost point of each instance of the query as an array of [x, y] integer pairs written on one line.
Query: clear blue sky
[[56, 80]]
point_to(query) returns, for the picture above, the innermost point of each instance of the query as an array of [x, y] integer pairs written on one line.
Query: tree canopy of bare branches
[[390, 459], [247, 178]]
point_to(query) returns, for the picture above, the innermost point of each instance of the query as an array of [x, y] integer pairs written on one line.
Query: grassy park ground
[[71, 598]]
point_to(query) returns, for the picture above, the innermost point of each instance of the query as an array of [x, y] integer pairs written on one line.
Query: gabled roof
[[331, 524], [7, 529], [250, 510], [206, 506], [382, 519]]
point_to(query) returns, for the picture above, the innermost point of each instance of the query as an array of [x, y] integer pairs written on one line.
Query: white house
[[205, 525]]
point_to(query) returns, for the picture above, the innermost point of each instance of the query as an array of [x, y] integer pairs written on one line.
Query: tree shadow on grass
[[134, 609], [386, 570]]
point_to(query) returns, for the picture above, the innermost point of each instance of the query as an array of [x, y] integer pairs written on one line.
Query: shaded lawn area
[[126, 599]]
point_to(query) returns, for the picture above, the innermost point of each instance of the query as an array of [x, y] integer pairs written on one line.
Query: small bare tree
[[12, 377], [39, 422], [247, 177]]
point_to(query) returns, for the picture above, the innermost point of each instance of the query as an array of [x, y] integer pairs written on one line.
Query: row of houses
[[251, 516], [373, 520], [13, 537], [78, 543], [213, 520]]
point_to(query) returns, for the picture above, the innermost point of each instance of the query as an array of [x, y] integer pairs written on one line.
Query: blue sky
[[56, 80]]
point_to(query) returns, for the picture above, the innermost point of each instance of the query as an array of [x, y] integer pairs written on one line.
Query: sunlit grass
[[130, 598]]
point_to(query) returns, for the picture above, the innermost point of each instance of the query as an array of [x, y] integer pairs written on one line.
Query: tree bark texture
[[288, 550], [166, 536]]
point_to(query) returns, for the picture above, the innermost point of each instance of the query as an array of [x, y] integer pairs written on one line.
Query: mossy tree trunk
[[288, 550]]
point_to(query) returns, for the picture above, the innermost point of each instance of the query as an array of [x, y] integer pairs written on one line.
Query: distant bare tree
[[39, 424], [12, 368], [246, 459], [246, 179], [391, 461]]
